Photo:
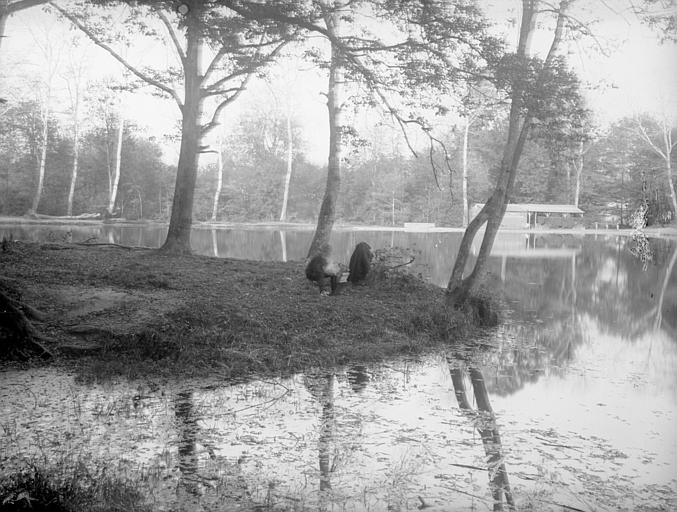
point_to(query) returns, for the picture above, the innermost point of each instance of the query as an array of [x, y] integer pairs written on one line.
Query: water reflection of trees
[[554, 299], [358, 377], [617, 292], [484, 421], [188, 489], [322, 390]]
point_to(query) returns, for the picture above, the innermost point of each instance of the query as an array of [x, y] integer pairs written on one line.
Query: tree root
[[18, 337]]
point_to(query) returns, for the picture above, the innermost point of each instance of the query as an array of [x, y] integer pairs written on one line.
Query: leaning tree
[[539, 90]]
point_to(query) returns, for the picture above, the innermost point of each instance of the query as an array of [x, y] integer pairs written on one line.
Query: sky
[[637, 75]]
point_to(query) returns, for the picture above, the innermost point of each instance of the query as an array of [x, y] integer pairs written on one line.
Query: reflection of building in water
[[526, 246], [538, 216]]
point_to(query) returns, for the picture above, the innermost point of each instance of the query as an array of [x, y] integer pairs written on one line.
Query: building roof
[[540, 208]]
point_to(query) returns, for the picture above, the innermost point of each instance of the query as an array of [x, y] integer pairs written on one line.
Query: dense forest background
[[609, 169]]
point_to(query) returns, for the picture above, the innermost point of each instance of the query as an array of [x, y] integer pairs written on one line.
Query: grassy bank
[[135, 313]]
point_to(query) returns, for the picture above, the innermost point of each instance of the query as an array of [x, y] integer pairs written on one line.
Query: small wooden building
[[539, 216]]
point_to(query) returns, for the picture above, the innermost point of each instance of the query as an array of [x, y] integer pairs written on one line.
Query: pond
[[570, 405]]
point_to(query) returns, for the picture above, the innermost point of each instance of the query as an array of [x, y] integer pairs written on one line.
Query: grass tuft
[[69, 488]]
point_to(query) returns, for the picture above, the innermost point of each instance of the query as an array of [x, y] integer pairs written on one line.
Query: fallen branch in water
[[111, 244], [402, 264]]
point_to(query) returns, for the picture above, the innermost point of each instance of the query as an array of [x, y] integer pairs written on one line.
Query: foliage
[[142, 167], [624, 175], [70, 487], [659, 15]]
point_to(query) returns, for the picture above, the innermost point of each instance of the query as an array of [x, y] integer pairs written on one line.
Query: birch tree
[[290, 165], [333, 16], [76, 83], [109, 106], [282, 88], [51, 53], [479, 104], [219, 177], [660, 140], [114, 174]]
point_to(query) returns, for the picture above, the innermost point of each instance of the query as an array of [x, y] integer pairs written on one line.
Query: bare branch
[[221, 106], [254, 11], [214, 63], [222, 92], [219, 83], [146, 78], [648, 140], [172, 34]]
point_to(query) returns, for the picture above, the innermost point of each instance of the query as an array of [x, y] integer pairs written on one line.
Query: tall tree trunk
[[76, 153], [325, 221], [290, 159], [43, 154], [669, 145], [116, 173], [460, 288], [181, 221], [109, 166], [219, 184], [464, 166], [3, 20], [665, 152], [578, 166]]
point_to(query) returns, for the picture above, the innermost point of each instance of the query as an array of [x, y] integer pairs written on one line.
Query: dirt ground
[[112, 311]]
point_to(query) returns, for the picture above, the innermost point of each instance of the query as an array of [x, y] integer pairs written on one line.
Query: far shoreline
[[668, 231]]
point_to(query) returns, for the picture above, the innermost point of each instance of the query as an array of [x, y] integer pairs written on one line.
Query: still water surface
[[571, 406]]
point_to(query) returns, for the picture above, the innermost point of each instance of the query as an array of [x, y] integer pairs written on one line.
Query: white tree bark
[[116, 173], [76, 148], [290, 160], [219, 182], [664, 150], [464, 165], [335, 95], [44, 116]]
